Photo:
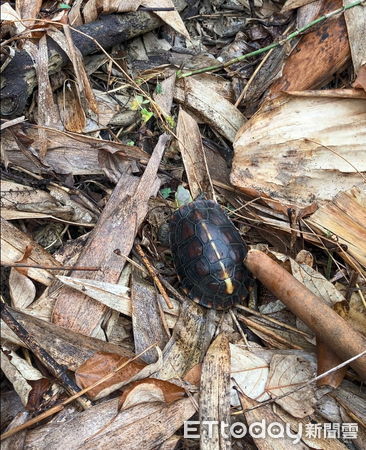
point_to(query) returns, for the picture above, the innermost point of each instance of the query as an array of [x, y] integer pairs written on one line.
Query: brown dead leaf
[[48, 114], [148, 320], [193, 375], [215, 394], [193, 155], [35, 398], [100, 365], [71, 112], [191, 337], [150, 390], [287, 373], [319, 54], [172, 18], [165, 98]]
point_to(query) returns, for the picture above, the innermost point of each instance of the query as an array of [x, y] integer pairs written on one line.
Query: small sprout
[[131, 143], [64, 6], [146, 115], [171, 121], [158, 89], [137, 102], [165, 192]]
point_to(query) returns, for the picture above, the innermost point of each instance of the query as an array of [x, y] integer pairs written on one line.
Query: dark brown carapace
[[208, 255]]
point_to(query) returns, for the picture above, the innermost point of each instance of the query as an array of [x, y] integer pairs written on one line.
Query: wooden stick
[[327, 325], [154, 275]]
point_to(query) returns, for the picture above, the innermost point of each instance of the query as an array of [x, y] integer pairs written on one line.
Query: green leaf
[[131, 143], [165, 192], [171, 121], [146, 115], [64, 6], [137, 101], [159, 88]]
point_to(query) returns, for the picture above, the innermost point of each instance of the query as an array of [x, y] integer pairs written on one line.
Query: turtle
[[208, 254]]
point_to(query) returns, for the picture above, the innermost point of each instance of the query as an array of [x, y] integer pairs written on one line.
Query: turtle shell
[[208, 255]]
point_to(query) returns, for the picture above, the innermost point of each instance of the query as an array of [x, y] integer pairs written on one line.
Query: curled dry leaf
[[27, 381], [92, 8], [172, 18], [17, 246], [22, 289], [8, 14], [150, 390]]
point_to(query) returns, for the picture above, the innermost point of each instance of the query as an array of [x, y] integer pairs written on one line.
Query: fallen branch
[[327, 325]]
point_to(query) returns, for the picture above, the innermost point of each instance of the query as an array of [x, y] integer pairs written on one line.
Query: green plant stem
[[273, 45]]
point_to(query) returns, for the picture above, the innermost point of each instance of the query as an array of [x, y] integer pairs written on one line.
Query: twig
[[271, 319], [273, 45], [154, 275], [52, 365], [268, 332], [243, 335]]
